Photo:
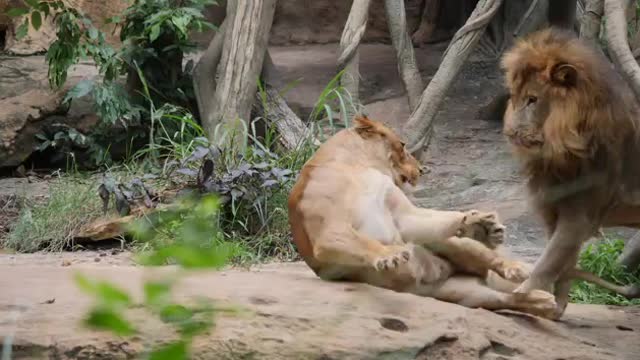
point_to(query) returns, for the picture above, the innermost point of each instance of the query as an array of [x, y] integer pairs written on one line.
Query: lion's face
[[525, 117]]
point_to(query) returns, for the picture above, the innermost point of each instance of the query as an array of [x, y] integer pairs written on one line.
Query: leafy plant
[[155, 36], [194, 248], [601, 259]]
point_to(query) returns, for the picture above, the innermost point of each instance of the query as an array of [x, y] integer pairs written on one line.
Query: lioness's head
[[406, 169], [556, 86]]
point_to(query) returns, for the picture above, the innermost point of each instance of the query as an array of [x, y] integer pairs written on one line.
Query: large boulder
[[28, 107], [286, 312]]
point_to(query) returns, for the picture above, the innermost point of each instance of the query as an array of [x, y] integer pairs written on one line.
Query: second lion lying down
[[351, 221]]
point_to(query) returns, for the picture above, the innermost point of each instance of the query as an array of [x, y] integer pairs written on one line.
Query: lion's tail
[[628, 291]]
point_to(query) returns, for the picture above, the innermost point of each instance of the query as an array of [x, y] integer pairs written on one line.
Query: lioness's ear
[[362, 124], [564, 75]]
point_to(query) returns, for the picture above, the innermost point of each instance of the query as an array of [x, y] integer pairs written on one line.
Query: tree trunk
[[591, 20], [428, 22], [418, 129], [273, 109], [562, 13], [536, 15], [616, 28], [351, 35], [204, 73], [407, 67], [245, 42]]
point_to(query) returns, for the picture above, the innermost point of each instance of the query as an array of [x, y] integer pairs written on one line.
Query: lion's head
[[405, 167], [562, 96]]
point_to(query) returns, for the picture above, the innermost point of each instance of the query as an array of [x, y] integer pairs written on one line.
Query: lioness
[[351, 221]]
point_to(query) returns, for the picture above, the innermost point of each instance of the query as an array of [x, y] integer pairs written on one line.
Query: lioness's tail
[[628, 291]]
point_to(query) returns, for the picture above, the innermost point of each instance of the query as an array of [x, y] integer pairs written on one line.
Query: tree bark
[[351, 35], [428, 22], [273, 109], [204, 73], [418, 129], [532, 18], [245, 42], [616, 28], [591, 20], [407, 67], [562, 13]]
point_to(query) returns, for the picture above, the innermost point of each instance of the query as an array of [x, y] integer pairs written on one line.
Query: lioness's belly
[[372, 217]]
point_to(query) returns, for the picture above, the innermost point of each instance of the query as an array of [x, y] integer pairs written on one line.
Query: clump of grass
[[50, 225], [601, 259]]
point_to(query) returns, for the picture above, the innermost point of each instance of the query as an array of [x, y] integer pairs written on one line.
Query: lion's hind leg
[[472, 292]]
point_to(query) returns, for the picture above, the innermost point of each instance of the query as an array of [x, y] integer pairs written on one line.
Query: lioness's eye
[[531, 100]]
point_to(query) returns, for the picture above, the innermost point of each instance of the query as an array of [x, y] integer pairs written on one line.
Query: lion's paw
[[538, 302], [516, 271], [393, 260], [482, 226]]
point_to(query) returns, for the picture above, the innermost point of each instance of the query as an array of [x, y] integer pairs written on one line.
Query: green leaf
[[155, 33], [32, 3], [175, 313], [114, 20], [190, 257], [105, 292], [36, 20], [107, 319], [111, 295], [93, 33], [45, 144], [173, 351], [15, 12], [44, 7], [81, 89], [156, 293], [22, 30], [41, 136]]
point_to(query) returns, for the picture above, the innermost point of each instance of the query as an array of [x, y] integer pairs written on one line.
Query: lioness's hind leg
[[349, 247], [471, 292]]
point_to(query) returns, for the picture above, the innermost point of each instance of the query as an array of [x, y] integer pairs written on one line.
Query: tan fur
[[351, 221], [572, 122]]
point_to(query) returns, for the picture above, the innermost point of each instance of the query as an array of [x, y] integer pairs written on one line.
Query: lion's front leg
[[559, 256]]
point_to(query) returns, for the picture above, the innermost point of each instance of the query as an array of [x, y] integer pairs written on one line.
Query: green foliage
[[155, 35], [192, 221], [50, 225], [601, 259]]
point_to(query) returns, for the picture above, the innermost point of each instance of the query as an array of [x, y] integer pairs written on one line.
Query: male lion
[[573, 123], [351, 221]]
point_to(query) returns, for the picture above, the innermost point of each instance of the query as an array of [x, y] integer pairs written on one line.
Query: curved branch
[[616, 27], [351, 35], [526, 18], [418, 129], [204, 73], [407, 67], [591, 20]]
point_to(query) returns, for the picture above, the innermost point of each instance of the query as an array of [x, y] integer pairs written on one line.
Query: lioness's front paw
[[516, 271], [393, 260], [482, 226]]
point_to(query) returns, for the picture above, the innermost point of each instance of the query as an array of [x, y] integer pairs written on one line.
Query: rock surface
[[28, 106], [288, 313]]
